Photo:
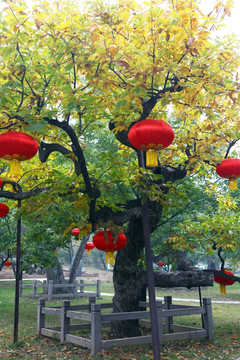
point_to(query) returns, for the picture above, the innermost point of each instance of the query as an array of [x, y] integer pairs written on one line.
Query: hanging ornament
[[230, 169], [17, 146], [223, 282], [106, 242], [160, 264], [75, 231], [151, 135], [89, 246], [4, 210], [1, 183], [7, 264]]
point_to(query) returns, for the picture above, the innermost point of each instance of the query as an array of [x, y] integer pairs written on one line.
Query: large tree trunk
[[55, 273], [77, 259], [127, 280]]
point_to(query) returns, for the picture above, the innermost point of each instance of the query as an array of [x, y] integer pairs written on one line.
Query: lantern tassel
[[222, 289], [109, 258], [15, 169], [232, 184], [151, 159], [89, 251]]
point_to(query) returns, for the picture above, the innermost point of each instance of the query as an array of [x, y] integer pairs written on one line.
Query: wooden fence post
[[98, 288], [81, 286], [91, 300], [75, 289], [95, 329], [207, 319], [168, 320], [50, 290], [40, 316], [20, 288], [34, 288], [159, 320], [65, 321], [44, 287]]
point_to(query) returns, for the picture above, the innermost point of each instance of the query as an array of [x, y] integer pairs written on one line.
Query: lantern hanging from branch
[[151, 135], [160, 264], [223, 282], [75, 231], [89, 246], [230, 169], [1, 183], [104, 241], [8, 264], [4, 210], [17, 146]]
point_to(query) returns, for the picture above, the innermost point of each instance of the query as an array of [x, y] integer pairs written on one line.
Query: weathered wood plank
[[135, 315], [78, 315], [182, 328], [106, 344], [184, 335], [78, 340], [50, 333], [183, 312], [51, 311]]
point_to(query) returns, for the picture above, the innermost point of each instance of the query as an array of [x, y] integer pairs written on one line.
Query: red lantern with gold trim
[[4, 210], [17, 146], [104, 241], [229, 169], [160, 264], [7, 264], [151, 135], [223, 282], [89, 246]]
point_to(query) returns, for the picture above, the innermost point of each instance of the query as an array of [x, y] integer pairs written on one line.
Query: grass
[[226, 319]]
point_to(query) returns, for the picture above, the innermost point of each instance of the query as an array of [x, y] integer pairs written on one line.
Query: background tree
[[67, 74]]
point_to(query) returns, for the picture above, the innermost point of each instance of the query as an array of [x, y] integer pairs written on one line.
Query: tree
[[69, 74]]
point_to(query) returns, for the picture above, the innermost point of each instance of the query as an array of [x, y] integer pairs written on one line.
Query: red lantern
[[1, 183], [89, 246], [75, 231], [16, 147], [223, 282], [106, 242], [160, 263], [4, 210], [151, 135], [230, 169], [8, 264]]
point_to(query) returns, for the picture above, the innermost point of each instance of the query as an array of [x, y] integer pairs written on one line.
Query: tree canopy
[[76, 78]]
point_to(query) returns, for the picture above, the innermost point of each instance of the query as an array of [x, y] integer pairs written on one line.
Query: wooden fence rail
[[92, 318], [71, 290]]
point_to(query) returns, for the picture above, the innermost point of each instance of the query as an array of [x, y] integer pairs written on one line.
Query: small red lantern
[[75, 231], [223, 282], [89, 246], [104, 241], [160, 263], [151, 135], [17, 146], [4, 210], [8, 264], [230, 169], [192, 246], [1, 183]]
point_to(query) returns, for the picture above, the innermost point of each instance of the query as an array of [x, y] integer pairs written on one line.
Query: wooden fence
[[92, 318], [71, 290]]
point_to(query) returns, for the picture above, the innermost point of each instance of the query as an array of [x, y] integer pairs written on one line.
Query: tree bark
[[55, 273], [77, 260]]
